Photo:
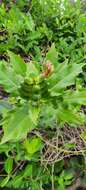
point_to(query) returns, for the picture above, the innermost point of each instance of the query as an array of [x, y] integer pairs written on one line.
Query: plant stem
[[53, 177]]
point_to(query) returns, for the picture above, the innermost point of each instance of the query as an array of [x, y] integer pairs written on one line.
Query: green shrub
[[44, 96]]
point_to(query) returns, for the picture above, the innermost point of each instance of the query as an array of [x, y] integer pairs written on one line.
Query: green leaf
[[8, 78], [29, 22], [33, 145], [33, 114], [17, 63], [4, 148], [64, 76], [19, 123], [5, 106], [68, 175], [69, 145], [28, 170], [32, 70], [17, 181], [8, 165], [76, 97], [52, 55], [4, 181], [61, 187], [35, 186], [70, 116]]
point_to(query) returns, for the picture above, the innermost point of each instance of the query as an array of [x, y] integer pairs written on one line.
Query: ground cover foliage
[[42, 95]]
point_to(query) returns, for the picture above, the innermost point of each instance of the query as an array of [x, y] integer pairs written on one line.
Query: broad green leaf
[[64, 76], [61, 187], [28, 170], [33, 114], [52, 55], [17, 63], [81, 24], [17, 181], [68, 182], [8, 166], [76, 97], [8, 78], [5, 106], [33, 145], [4, 148], [19, 123], [68, 176], [32, 70], [70, 116], [48, 114], [4, 181]]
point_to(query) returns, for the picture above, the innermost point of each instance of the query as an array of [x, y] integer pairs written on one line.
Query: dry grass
[[66, 142]]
